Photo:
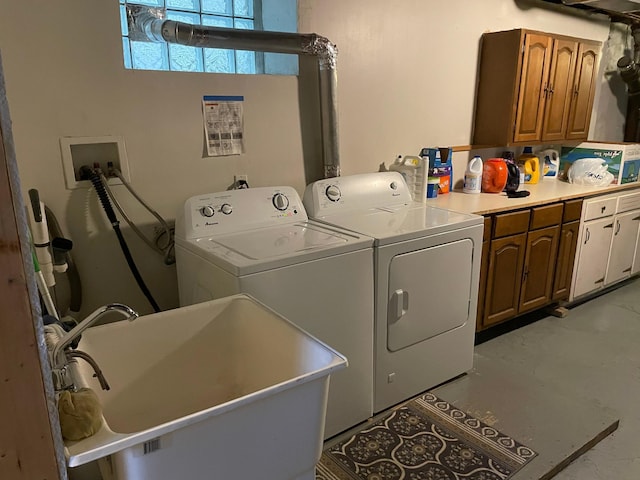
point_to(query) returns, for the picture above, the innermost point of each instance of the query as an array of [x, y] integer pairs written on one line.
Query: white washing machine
[[259, 241], [427, 267]]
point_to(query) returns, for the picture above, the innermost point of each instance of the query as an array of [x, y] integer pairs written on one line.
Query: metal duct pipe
[[630, 73], [148, 24]]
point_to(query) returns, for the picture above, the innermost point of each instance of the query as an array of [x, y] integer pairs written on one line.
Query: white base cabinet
[[594, 242], [608, 247], [623, 246]]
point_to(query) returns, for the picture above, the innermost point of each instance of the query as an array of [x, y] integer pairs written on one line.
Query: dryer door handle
[[402, 304]]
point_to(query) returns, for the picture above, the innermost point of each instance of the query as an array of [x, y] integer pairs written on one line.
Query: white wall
[[407, 75]]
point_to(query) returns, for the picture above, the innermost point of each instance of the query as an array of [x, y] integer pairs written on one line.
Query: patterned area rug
[[425, 439]]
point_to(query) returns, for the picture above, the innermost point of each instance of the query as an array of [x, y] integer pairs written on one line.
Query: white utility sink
[[219, 390]]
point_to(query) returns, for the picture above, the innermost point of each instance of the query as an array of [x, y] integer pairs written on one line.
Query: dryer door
[[429, 292]]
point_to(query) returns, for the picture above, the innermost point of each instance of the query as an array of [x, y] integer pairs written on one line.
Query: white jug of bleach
[[414, 171], [473, 176]]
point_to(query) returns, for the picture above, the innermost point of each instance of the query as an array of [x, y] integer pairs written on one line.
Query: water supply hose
[[95, 179]]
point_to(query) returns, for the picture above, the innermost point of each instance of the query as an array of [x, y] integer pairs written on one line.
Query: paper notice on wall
[[223, 125]]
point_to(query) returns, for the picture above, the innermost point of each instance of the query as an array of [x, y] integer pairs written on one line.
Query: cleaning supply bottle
[[550, 162], [531, 164], [413, 170], [473, 176], [494, 175]]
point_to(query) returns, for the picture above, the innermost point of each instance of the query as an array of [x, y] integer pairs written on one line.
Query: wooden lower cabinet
[[527, 263], [504, 278], [566, 260], [484, 270], [539, 268]]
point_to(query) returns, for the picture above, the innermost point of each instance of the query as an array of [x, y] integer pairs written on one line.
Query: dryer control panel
[[356, 192], [238, 210]]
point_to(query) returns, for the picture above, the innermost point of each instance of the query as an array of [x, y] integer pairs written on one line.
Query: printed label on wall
[[223, 125]]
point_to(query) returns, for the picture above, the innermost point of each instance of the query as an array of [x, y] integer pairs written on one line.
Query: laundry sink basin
[[221, 389]]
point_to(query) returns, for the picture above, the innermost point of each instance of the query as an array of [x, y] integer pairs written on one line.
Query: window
[[242, 14]]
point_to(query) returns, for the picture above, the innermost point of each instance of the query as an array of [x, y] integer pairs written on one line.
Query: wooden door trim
[[30, 442]]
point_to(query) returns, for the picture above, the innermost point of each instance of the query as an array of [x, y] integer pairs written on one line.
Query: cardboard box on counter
[[623, 159]]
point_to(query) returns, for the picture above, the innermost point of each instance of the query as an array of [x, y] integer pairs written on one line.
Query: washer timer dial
[[226, 208], [207, 211], [280, 201], [333, 193]]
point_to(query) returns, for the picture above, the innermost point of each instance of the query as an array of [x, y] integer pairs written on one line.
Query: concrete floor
[[560, 384]]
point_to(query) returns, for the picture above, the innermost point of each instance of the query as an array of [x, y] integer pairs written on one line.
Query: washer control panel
[[238, 210]]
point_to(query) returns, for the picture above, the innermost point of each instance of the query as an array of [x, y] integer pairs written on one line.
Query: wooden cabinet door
[[584, 88], [560, 89], [636, 257], [482, 287], [504, 278], [595, 240], [539, 266], [623, 247], [566, 260], [533, 83]]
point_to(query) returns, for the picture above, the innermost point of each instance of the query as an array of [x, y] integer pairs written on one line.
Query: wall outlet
[[79, 151]]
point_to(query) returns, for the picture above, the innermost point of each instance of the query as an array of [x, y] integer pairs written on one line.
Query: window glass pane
[[153, 3], [126, 51], [192, 5], [243, 24], [217, 6], [243, 8], [217, 59], [245, 61], [181, 58], [124, 27], [217, 21], [149, 56]]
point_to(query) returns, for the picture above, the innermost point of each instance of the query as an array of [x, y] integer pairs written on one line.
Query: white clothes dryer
[[259, 241], [427, 267]]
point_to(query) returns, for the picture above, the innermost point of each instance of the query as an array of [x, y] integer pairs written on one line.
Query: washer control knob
[[280, 201], [333, 193], [207, 211], [394, 186], [226, 208]]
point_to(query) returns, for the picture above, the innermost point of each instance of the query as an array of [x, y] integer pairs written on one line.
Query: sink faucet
[[59, 356]]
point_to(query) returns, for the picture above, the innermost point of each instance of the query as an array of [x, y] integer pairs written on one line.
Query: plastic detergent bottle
[[531, 165], [473, 176], [414, 172]]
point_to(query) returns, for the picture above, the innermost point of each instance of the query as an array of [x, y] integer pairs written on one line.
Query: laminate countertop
[[545, 191]]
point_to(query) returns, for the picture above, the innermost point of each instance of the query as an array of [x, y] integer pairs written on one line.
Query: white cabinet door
[[636, 258], [623, 246], [594, 253]]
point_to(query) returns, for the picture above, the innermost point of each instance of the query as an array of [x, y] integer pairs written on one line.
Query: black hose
[[111, 215]]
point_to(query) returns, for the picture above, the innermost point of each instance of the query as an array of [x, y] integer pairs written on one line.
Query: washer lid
[[405, 222], [261, 249]]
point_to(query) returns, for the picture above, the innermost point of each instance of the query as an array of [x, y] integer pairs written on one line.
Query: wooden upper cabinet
[[534, 87], [559, 89], [584, 87]]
